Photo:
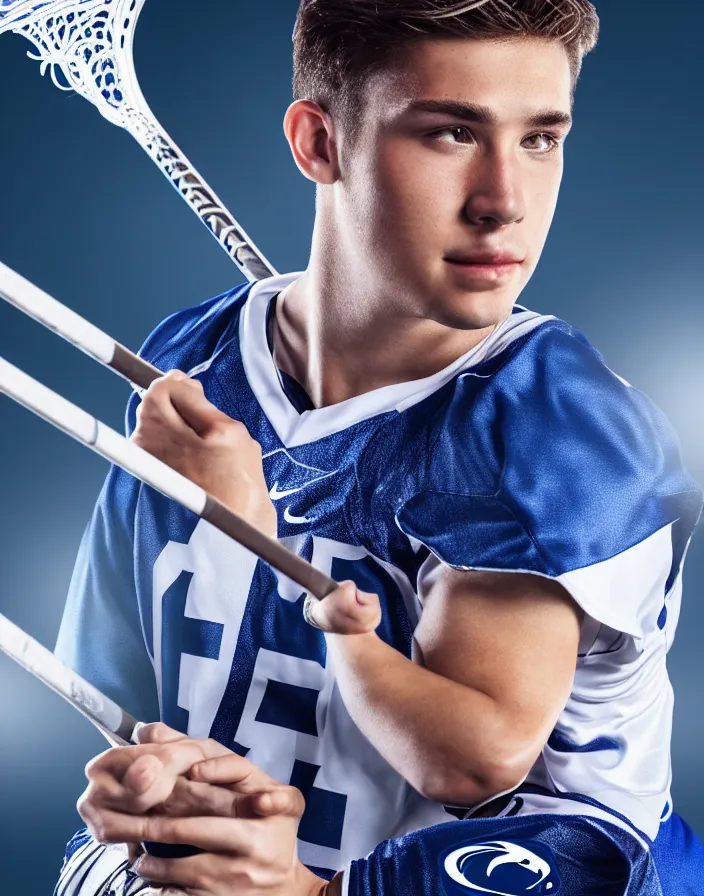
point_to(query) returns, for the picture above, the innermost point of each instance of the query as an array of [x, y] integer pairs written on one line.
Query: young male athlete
[[513, 516]]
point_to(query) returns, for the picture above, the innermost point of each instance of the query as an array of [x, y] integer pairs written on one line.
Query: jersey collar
[[294, 428]]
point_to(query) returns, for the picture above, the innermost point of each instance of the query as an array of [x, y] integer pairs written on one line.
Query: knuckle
[[97, 763], [84, 806], [148, 827], [225, 431], [260, 844], [156, 387], [153, 733], [297, 800], [100, 830], [235, 427]]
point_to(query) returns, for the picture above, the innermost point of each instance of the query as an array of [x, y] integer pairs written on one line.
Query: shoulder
[[542, 459], [189, 337], [549, 404]]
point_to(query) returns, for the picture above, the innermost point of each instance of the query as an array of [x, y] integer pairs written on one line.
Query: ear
[[311, 135]]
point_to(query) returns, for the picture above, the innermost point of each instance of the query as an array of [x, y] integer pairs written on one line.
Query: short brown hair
[[340, 44]]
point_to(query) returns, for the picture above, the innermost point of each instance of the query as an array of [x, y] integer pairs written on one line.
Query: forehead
[[513, 77]]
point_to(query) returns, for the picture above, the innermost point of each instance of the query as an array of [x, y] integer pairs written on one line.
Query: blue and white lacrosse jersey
[[527, 454]]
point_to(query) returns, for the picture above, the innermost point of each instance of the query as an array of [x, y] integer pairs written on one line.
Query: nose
[[495, 196]]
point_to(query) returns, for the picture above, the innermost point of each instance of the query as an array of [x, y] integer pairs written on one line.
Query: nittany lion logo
[[501, 868]]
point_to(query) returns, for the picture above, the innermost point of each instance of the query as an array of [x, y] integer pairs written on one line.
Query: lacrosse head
[[90, 43]]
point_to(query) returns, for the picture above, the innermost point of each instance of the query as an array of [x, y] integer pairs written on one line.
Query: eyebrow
[[544, 118]]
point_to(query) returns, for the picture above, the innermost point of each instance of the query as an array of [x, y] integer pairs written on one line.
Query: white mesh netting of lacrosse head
[[89, 42], [87, 45]]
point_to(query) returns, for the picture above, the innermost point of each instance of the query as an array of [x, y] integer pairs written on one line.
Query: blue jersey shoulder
[[191, 336], [542, 459]]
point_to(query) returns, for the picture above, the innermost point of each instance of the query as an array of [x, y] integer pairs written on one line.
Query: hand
[[177, 424], [128, 783], [345, 611], [252, 844], [246, 856]]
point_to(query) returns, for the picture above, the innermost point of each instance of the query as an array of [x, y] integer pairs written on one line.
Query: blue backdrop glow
[[85, 214]]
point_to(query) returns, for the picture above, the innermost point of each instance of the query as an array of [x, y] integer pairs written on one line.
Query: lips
[[486, 259]]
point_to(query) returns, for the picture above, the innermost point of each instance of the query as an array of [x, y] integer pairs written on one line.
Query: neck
[[339, 338]]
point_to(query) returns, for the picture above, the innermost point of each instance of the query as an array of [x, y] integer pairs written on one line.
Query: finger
[[192, 872], [157, 406], [185, 799], [104, 786], [156, 733], [146, 774], [178, 756], [153, 777], [143, 774], [209, 833], [117, 760], [345, 611], [114, 762], [104, 792], [190, 798], [134, 851], [193, 407], [232, 769], [284, 801]]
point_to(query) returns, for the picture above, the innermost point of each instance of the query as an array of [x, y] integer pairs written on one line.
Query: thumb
[[281, 801], [345, 611]]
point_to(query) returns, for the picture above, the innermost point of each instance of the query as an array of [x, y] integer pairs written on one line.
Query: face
[[449, 187]]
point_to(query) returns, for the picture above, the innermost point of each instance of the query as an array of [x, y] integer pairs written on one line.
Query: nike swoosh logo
[[295, 520], [277, 495]]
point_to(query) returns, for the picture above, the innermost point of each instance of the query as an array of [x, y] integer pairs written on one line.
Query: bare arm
[[496, 655]]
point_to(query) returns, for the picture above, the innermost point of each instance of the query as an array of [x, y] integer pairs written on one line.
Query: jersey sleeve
[[101, 634], [91, 869], [551, 464], [531, 854]]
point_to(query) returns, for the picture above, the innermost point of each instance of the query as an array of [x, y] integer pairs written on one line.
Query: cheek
[[410, 196]]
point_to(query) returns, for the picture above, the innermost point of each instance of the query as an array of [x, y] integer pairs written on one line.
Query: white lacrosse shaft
[[29, 298], [101, 438], [109, 718], [91, 43], [139, 463], [40, 306]]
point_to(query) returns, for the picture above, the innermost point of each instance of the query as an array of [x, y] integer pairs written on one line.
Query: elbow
[[453, 784]]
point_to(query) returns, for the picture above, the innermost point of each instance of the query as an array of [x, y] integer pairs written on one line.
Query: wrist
[[309, 884], [354, 646]]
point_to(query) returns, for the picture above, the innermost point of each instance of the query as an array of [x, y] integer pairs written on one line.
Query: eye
[[542, 143], [455, 134]]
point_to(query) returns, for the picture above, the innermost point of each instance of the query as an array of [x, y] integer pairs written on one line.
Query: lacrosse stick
[[34, 302], [90, 42], [116, 725], [112, 721], [114, 447]]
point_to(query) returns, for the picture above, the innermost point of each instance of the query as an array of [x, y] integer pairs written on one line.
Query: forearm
[[451, 742]]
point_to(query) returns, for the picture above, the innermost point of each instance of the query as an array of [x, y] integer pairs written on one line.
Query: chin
[[473, 311]]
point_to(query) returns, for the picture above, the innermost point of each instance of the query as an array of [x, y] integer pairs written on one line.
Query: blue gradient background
[[85, 214]]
